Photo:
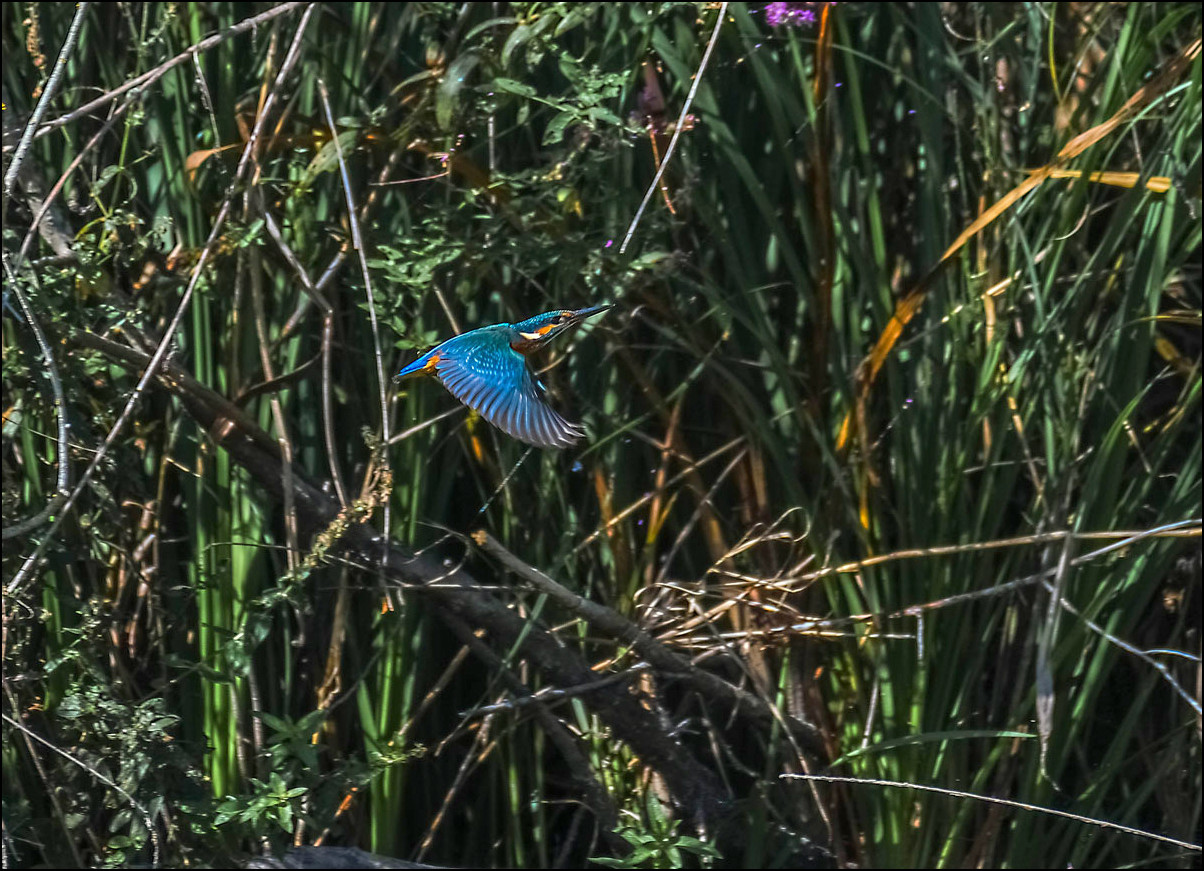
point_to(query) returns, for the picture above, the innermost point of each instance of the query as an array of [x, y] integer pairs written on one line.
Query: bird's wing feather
[[481, 370]]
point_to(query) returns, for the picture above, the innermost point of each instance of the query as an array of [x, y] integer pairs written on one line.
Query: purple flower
[[776, 13], [792, 14]]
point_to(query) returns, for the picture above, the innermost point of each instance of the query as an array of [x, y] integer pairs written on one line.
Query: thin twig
[[596, 796], [151, 76], [648, 497], [278, 418], [48, 95], [654, 651], [482, 745], [50, 790], [36, 224], [1143, 655], [60, 413], [681, 123], [358, 241], [419, 427], [1182, 529], [704, 502], [336, 473], [165, 343], [146, 817], [335, 266], [269, 224], [548, 695], [1191, 527], [957, 793]]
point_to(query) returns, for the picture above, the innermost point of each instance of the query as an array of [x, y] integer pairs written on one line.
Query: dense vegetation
[[890, 502]]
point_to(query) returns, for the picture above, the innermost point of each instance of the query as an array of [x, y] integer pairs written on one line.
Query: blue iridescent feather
[[487, 371]]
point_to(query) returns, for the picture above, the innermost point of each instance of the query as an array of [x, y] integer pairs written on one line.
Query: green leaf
[[510, 86], [486, 25], [598, 113], [514, 42], [327, 158], [556, 127], [575, 18], [276, 724]]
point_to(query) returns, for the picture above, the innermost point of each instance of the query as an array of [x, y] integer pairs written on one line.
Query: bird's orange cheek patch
[[431, 363]]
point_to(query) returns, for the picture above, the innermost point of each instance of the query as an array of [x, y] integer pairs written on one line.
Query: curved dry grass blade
[[906, 308]]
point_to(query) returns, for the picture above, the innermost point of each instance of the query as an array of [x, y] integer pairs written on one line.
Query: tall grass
[[905, 345]]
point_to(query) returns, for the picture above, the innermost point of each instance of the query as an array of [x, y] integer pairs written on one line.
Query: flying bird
[[486, 369]]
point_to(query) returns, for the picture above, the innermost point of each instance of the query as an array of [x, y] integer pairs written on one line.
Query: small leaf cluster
[[656, 842], [273, 801]]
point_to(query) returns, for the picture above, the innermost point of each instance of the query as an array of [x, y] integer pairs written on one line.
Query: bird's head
[[535, 332]]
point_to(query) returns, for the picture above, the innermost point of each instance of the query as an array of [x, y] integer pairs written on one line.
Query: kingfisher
[[486, 369]]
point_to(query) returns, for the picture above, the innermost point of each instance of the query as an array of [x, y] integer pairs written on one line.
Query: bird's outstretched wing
[[481, 370]]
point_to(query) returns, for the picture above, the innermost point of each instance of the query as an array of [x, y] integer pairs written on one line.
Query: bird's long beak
[[582, 314]]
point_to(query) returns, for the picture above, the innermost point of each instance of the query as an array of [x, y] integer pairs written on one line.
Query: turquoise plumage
[[486, 369]]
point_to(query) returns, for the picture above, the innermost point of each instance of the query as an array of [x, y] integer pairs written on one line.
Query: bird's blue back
[[483, 370]]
